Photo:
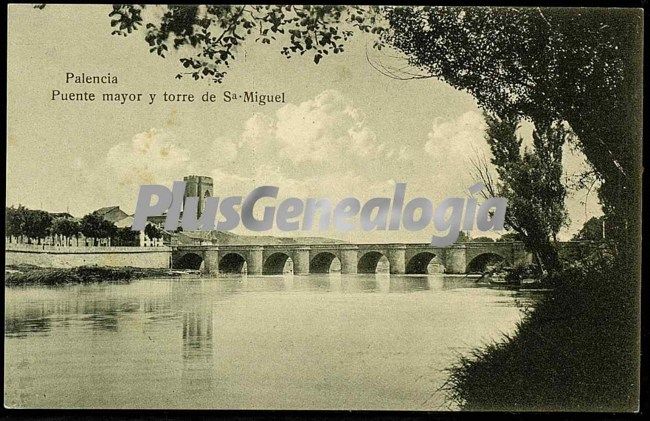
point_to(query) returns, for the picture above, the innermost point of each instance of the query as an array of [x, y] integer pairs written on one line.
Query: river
[[306, 342]]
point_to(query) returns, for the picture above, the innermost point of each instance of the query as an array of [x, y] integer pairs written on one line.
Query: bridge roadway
[[354, 258]]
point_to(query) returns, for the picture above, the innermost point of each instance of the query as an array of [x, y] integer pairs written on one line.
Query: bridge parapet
[[316, 258]]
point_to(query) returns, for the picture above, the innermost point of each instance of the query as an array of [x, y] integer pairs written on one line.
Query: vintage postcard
[[323, 207]]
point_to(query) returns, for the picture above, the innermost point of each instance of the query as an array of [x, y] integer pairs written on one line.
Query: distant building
[[115, 215], [195, 186], [125, 223]]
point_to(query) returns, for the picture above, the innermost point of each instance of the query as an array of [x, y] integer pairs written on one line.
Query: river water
[[312, 342]]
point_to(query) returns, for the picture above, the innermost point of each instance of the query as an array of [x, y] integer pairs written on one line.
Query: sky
[[345, 130]]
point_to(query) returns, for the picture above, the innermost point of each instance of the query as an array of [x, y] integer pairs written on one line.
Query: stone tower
[[198, 186]]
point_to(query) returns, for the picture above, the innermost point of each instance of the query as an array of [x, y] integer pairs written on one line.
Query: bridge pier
[[349, 259], [397, 259], [211, 261], [456, 259], [300, 259], [255, 260], [307, 258]]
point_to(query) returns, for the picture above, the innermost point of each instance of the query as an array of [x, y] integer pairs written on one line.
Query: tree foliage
[[126, 237], [36, 224], [14, 220], [66, 227], [463, 237], [531, 181], [152, 231], [592, 230], [483, 240], [94, 226], [216, 32], [582, 66], [509, 236]]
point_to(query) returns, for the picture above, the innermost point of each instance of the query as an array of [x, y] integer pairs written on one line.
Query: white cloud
[[456, 139], [149, 158], [326, 128]]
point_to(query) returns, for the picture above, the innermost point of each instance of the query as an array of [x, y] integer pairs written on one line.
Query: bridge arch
[[419, 263], [189, 260], [322, 262], [480, 262], [369, 261], [232, 263], [275, 263]]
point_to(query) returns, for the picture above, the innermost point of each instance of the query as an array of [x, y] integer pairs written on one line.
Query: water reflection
[[410, 284], [361, 283], [200, 342], [102, 307], [41, 314], [31, 320]]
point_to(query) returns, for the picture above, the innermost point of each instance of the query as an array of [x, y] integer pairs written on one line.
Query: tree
[[592, 230], [67, 227], [108, 229], [94, 226], [531, 181], [483, 240], [126, 237], [152, 231], [215, 33], [463, 237], [509, 236], [90, 225], [37, 224], [14, 221], [582, 66]]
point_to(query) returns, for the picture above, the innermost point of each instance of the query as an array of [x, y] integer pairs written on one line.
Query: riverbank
[[577, 350], [17, 275]]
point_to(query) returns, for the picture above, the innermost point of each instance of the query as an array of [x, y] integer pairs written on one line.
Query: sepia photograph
[[323, 207]]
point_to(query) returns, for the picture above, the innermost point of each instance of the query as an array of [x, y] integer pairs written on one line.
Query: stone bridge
[[353, 258]]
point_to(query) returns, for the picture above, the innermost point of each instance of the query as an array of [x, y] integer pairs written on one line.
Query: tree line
[[33, 225]]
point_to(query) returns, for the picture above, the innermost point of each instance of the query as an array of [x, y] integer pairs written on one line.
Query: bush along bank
[[576, 350], [82, 275]]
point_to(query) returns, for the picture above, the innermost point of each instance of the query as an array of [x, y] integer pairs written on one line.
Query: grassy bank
[[33, 275], [577, 350]]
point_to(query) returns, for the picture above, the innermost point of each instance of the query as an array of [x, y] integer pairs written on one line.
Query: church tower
[[198, 186]]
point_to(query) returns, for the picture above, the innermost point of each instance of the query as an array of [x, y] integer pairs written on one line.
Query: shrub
[[577, 350]]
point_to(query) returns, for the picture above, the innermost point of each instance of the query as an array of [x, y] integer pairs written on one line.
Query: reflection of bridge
[[354, 258]]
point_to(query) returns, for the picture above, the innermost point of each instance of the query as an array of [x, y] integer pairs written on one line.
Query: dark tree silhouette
[[37, 224], [592, 230], [126, 237], [94, 226], [531, 181], [582, 66], [15, 221], [152, 231], [66, 227]]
